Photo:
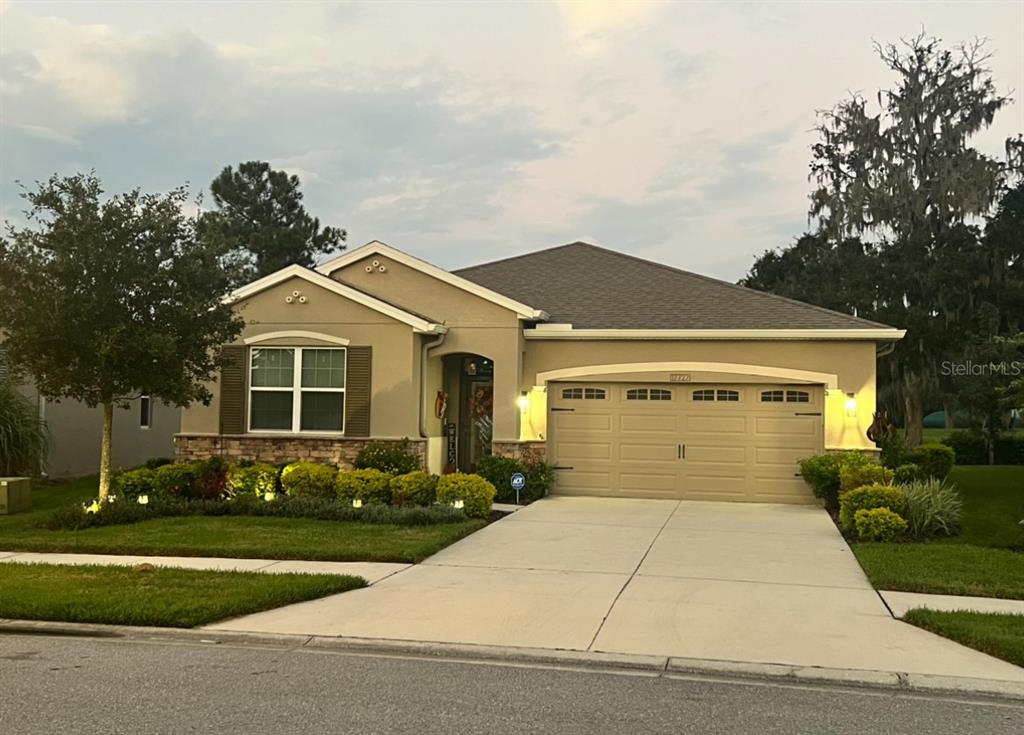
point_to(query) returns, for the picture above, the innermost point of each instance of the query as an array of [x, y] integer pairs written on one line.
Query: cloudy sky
[[463, 132]]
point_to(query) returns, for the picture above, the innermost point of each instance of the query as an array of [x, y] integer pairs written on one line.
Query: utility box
[[15, 495]]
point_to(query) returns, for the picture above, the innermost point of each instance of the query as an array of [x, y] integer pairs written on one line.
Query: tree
[[260, 224], [907, 177], [107, 300]]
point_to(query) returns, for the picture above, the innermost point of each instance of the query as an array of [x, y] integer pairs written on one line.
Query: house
[[633, 378]]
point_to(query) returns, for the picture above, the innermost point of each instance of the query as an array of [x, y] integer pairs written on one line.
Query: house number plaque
[[679, 377]]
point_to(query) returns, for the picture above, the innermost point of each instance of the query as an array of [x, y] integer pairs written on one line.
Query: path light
[[851, 405], [143, 500], [357, 502], [93, 508], [459, 504], [269, 496]]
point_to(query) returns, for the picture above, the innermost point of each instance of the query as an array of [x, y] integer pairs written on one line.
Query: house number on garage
[[679, 377]]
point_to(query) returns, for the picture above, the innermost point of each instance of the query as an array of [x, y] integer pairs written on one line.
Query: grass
[[234, 536], [984, 560], [936, 434], [177, 598], [996, 634]]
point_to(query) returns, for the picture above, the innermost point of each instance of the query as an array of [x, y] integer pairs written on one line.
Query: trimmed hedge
[[867, 498], [369, 485], [968, 446], [310, 479], [474, 491], [540, 477], [414, 488], [394, 459], [857, 475], [252, 479], [879, 524], [822, 473], [935, 460], [75, 517]]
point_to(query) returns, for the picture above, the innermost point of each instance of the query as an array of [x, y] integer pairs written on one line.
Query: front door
[[476, 421]]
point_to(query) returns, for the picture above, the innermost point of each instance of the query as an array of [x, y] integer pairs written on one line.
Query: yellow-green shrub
[[369, 485], [878, 524], [853, 476], [309, 479], [252, 479], [867, 498], [414, 488], [474, 491]]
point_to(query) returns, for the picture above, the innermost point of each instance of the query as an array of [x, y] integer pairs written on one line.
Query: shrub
[[857, 475], [868, 497], [24, 437], [878, 524], [133, 483], [474, 491], [1009, 450], [252, 479], [369, 485], [894, 450], [540, 476], [935, 460], [414, 488], [907, 473], [176, 479], [968, 447], [822, 473], [154, 462], [390, 457], [933, 508], [310, 479], [211, 478]]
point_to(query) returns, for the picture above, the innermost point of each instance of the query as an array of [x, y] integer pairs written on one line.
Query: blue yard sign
[[518, 483]]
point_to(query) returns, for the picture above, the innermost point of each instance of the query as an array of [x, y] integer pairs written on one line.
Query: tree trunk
[[948, 408], [913, 414], [108, 431]]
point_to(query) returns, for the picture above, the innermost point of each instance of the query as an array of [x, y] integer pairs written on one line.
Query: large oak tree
[[106, 299]]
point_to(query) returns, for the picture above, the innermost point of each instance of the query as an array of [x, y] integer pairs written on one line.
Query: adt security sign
[[518, 483]]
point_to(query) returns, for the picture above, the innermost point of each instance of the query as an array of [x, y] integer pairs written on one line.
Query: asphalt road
[[58, 685]]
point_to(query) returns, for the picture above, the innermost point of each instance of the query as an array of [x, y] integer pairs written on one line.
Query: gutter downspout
[[427, 346]]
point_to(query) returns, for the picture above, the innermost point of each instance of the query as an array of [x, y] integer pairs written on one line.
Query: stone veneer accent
[[517, 450], [279, 448]]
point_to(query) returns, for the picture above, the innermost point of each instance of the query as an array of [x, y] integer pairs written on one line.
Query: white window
[[798, 396], [309, 398], [636, 394], [645, 394], [660, 394], [583, 394], [704, 394], [773, 396], [727, 395], [145, 412]]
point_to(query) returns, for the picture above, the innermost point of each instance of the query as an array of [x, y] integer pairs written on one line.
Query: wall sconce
[[523, 401], [851, 405]]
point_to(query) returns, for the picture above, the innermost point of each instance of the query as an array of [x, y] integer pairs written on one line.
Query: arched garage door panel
[[686, 441]]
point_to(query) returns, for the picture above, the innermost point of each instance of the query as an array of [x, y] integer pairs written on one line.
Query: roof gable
[[418, 322], [598, 289], [523, 310]]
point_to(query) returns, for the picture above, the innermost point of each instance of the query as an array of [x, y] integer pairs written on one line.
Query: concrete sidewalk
[[762, 584], [901, 602], [370, 571]]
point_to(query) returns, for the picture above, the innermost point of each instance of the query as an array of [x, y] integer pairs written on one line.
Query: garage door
[[688, 441]]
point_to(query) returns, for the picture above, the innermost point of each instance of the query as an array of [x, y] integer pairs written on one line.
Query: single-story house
[[633, 378]]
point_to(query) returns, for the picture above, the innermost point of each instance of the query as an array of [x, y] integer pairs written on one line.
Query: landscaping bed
[[999, 635], [177, 598], [227, 536]]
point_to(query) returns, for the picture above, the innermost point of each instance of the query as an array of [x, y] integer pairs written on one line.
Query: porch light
[[357, 502], [851, 405], [523, 401], [143, 500], [459, 504]]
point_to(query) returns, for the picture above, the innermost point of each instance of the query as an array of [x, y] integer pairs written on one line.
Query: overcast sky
[[464, 132]]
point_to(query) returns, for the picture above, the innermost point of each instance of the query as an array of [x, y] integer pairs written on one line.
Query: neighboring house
[[633, 378], [143, 430]]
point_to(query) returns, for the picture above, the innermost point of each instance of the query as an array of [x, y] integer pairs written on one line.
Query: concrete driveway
[[726, 581]]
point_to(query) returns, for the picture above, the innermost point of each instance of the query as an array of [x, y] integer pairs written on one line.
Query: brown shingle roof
[[595, 288]]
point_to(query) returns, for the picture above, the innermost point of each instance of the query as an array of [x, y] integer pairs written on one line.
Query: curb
[[591, 660]]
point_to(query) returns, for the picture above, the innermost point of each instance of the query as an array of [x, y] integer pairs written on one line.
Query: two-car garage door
[[682, 440]]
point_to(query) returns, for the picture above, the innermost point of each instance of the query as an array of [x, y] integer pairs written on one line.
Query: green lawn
[[936, 434], [998, 635], [980, 561], [177, 598], [234, 536]]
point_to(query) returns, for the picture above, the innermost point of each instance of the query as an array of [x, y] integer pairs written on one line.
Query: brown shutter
[[357, 391], [232, 390]]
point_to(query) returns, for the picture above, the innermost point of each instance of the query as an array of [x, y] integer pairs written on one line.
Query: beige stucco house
[[632, 377]]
